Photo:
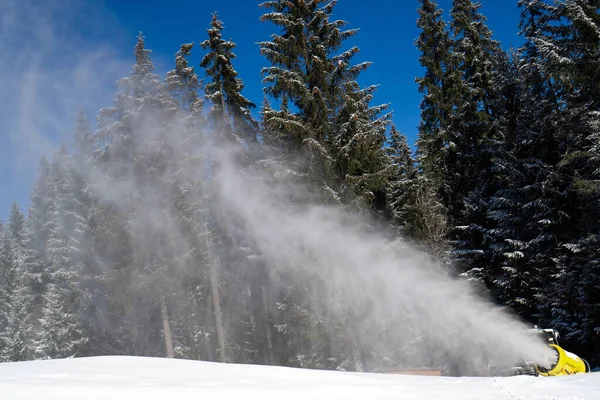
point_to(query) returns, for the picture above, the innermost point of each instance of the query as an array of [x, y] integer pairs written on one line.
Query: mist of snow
[[374, 279]]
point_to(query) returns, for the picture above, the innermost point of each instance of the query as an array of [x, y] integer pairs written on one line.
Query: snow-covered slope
[[129, 378]]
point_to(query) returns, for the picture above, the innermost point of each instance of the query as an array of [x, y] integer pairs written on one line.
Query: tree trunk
[[208, 347], [271, 355], [251, 343], [358, 365], [167, 328], [214, 288], [130, 317]]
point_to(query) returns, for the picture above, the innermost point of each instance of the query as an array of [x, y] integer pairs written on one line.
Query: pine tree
[[183, 83], [6, 288], [414, 204], [19, 336], [37, 217], [332, 139], [84, 208], [436, 86], [540, 214], [475, 138], [472, 66], [401, 182], [333, 126], [193, 326], [230, 110], [359, 158], [142, 105], [137, 151], [61, 333], [301, 62], [523, 210]]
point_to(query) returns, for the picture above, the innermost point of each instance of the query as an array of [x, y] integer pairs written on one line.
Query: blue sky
[[67, 54]]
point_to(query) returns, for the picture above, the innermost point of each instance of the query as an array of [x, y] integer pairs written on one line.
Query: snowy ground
[[129, 378]]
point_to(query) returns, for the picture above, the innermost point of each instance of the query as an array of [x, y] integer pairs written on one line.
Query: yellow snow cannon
[[564, 362]]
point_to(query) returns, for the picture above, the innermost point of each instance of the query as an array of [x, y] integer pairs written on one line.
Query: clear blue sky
[[83, 46]]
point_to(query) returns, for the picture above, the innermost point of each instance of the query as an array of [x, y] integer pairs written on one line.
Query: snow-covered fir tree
[[137, 151], [413, 202], [468, 133], [7, 278], [61, 332], [472, 137], [335, 126], [183, 83], [28, 286], [230, 110], [436, 86]]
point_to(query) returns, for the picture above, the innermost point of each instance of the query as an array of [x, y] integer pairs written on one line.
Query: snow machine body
[[561, 363]]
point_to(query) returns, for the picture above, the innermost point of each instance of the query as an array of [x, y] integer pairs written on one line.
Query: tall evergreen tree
[[19, 336], [61, 333], [323, 119], [401, 182], [183, 83], [84, 224], [436, 86], [37, 216], [230, 110], [332, 122], [413, 202], [6, 288], [475, 137], [301, 64], [194, 326], [521, 239], [358, 140], [472, 63], [138, 151]]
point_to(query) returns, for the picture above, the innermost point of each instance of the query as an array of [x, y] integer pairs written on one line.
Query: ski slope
[[129, 378]]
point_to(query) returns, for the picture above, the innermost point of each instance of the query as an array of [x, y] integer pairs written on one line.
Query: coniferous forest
[[126, 249]]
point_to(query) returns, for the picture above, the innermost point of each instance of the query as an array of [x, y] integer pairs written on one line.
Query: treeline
[[124, 249]]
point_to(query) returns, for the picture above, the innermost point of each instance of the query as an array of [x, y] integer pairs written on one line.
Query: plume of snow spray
[[369, 281], [365, 271]]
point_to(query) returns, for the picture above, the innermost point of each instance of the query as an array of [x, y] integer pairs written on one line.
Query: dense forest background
[[126, 250]]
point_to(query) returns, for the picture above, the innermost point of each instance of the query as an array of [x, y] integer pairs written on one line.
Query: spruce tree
[[474, 139], [434, 45], [138, 151], [472, 67], [359, 158], [183, 83], [84, 221], [193, 325], [301, 62], [332, 138], [230, 111], [61, 334], [19, 336], [523, 209], [37, 216], [6, 288], [413, 202], [333, 124]]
